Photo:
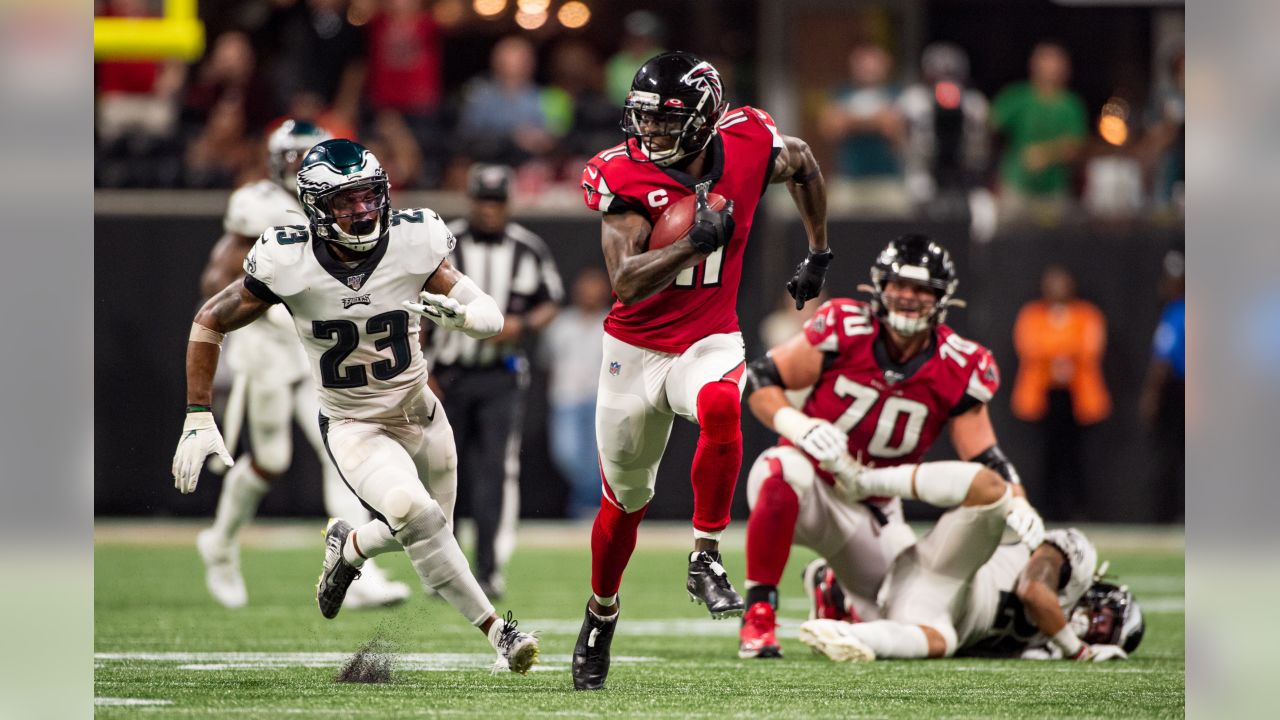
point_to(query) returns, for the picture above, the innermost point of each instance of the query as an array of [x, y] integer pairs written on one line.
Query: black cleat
[[337, 574], [709, 585], [591, 653]]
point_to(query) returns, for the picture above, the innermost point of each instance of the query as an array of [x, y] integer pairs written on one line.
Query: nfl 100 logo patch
[[615, 367]]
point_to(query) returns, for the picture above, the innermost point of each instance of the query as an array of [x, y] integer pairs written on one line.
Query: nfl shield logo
[[615, 368], [355, 281]]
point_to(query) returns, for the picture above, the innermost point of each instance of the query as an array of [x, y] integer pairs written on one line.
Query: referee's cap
[[489, 182]]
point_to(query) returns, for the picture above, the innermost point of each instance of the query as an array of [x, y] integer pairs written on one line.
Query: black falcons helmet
[[679, 90], [1113, 615], [915, 258]]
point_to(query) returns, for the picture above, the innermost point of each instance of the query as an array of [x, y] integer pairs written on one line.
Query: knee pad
[[404, 502], [988, 487], [720, 410], [628, 493], [795, 468]]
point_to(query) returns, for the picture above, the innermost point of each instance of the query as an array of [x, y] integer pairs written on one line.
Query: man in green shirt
[[1044, 127]]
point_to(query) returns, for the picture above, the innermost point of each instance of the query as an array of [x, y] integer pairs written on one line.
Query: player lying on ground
[[672, 344], [356, 280], [1050, 603], [887, 378], [272, 384]]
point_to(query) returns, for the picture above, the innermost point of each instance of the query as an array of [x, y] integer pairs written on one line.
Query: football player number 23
[[891, 413], [333, 375]]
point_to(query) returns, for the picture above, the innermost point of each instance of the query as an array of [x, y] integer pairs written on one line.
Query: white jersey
[[361, 344], [267, 349], [990, 620]]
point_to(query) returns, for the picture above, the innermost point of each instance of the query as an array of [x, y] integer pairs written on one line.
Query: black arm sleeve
[[761, 373], [994, 458], [260, 289]]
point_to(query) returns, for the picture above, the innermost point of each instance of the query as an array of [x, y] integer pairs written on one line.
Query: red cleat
[[826, 597], [756, 639]]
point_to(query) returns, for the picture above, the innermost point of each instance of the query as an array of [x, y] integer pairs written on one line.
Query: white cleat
[[828, 637], [374, 589], [517, 651], [222, 569]]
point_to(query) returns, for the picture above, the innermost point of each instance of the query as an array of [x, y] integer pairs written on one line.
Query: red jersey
[[703, 300], [892, 413]]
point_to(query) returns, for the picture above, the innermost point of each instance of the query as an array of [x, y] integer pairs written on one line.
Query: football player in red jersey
[[672, 344], [887, 376]]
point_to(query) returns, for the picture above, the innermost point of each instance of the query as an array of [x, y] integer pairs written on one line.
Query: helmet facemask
[[687, 129], [1108, 615], [367, 221], [905, 325]]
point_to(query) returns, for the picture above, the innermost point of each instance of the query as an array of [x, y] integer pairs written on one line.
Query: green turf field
[[163, 648]]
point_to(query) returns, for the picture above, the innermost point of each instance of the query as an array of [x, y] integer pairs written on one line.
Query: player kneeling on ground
[[356, 280], [1050, 603], [887, 378]]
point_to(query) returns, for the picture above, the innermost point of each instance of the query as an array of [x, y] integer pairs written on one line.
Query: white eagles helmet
[[336, 166], [289, 143]]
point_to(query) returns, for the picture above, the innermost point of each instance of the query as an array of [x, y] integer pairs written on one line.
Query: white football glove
[[824, 442], [1026, 522], [200, 439], [848, 470], [1102, 653], [439, 309]]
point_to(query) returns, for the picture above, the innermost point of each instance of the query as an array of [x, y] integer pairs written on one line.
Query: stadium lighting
[[1112, 124], [489, 8], [448, 12], [531, 21], [533, 7], [574, 14]]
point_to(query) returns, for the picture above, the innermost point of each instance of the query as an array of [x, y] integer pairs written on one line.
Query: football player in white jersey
[[272, 383], [1047, 603], [356, 280]]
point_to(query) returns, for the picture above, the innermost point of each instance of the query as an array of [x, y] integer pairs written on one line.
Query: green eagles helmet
[[287, 144], [339, 166]]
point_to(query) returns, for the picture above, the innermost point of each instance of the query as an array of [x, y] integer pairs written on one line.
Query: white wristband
[[1068, 643], [791, 424]]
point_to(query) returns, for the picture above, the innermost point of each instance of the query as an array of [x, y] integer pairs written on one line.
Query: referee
[[483, 381]]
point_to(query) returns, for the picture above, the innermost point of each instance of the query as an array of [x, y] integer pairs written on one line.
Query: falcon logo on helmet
[[344, 169], [918, 260], [675, 102], [287, 145]]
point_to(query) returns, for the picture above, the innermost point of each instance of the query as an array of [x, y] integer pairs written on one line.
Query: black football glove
[[810, 274], [711, 228]]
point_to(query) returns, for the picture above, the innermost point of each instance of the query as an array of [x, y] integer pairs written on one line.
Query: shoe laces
[[509, 632]]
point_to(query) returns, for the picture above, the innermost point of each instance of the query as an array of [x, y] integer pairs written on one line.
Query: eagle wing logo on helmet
[[704, 77]]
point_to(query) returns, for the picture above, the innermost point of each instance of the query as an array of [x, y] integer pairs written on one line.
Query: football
[[676, 222]]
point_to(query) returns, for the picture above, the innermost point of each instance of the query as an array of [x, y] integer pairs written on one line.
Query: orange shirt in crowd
[[1060, 347]]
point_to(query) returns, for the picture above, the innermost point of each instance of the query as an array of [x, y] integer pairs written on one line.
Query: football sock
[[890, 639], [770, 527], [369, 541], [613, 538], [762, 593], [942, 484], [242, 490], [718, 459], [605, 601], [439, 562]]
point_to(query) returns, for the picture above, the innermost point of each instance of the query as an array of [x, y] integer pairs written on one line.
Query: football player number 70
[[710, 271], [864, 399]]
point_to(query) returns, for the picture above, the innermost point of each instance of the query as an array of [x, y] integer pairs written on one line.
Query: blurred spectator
[[572, 351], [577, 111], [1044, 125], [136, 114], [389, 138], [1060, 340], [405, 70], [642, 33], [1163, 403], [311, 107], [502, 120], [947, 145], [228, 105], [321, 54], [484, 381], [1167, 132], [864, 119]]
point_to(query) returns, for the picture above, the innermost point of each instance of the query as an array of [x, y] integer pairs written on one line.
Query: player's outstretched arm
[[635, 273], [1037, 589], [974, 439], [796, 166], [234, 307]]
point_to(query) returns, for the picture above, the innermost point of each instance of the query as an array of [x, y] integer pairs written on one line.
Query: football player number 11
[[710, 271]]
